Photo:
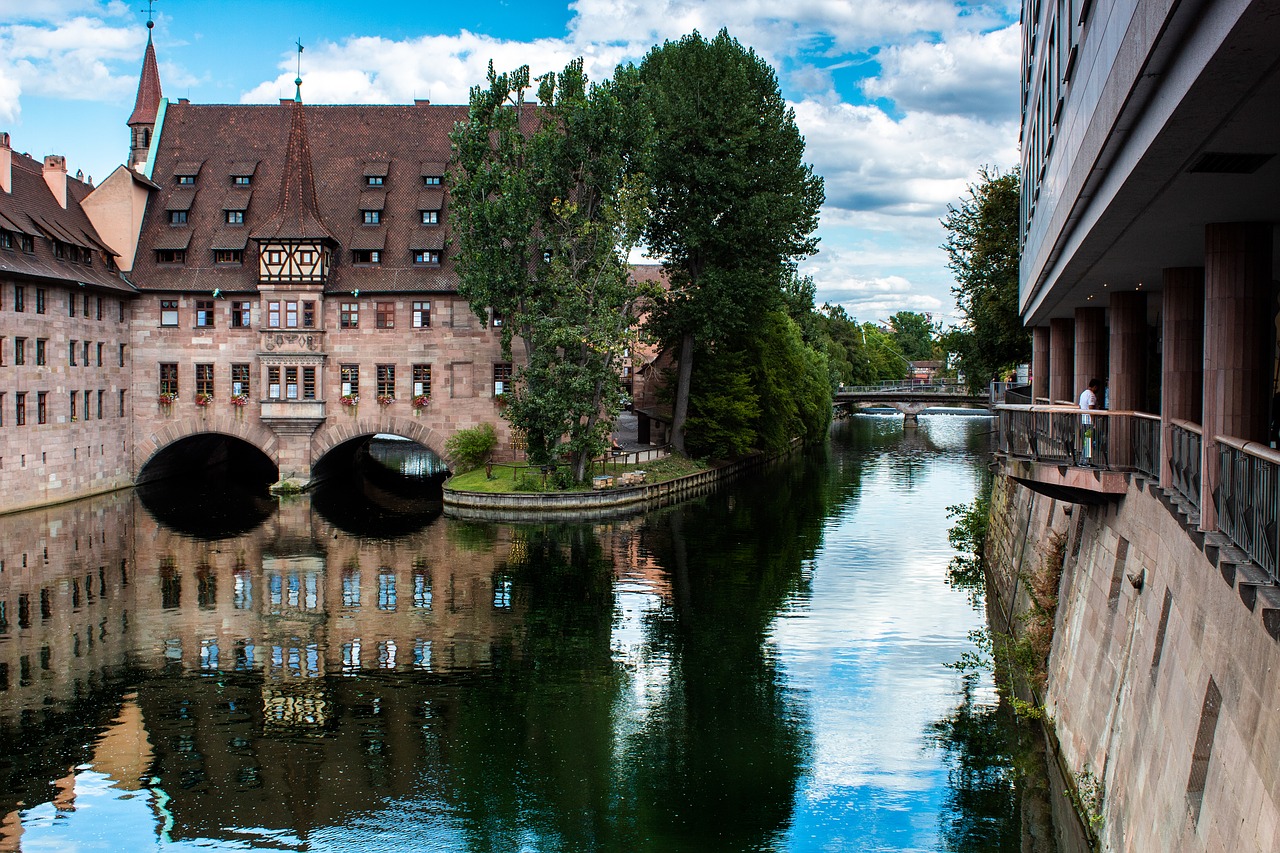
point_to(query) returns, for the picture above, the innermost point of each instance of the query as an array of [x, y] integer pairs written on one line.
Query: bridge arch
[[343, 429], [246, 429]]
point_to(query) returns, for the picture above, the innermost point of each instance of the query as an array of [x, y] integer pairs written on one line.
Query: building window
[[204, 380], [71, 353], [19, 298], [86, 305], [421, 380], [121, 409], [235, 217], [40, 300], [185, 180], [42, 407], [204, 312], [59, 249], [99, 353], [308, 315], [42, 354], [275, 256], [27, 243], [120, 303], [20, 408], [177, 217], [273, 315], [169, 381], [240, 380], [421, 315], [122, 355], [386, 380], [349, 315], [20, 350], [171, 256], [349, 375], [430, 217], [291, 383], [228, 256], [431, 180], [371, 217], [73, 405], [501, 378], [99, 307], [85, 352], [239, 315], [291, 315], [374, 180], [497, 318], [366, 256], [308, 383], [168, 312], [426, 257], [241, 180], [100, 393], [273, 383], [6, 239], [306, 257], [385, 316]]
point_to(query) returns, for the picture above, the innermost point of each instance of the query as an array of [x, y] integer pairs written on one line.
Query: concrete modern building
[[1151, 197]]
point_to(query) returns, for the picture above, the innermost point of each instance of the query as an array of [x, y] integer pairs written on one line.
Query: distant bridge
[[911, 398]]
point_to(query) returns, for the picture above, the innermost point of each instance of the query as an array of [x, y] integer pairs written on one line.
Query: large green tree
[[914, 334], [982, 250], [734, 204], [547, 201]]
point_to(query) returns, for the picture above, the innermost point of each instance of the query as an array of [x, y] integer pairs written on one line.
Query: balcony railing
[[1246, 500], [1144, 447], [1065, 435], [1184, 460]]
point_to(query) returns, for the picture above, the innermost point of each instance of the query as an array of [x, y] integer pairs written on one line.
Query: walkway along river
[[762, 668]]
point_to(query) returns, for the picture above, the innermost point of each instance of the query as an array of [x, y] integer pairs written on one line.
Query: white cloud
[[80, 58]]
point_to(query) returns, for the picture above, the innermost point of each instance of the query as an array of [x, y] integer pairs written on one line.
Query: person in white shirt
[[1088, 400]]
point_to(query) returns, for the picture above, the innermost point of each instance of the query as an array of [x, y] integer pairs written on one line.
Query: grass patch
[[508, 479]]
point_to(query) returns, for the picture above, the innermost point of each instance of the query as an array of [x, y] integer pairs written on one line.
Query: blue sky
[[900, 101]]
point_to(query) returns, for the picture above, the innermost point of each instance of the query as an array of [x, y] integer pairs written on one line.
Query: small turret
[[142, 123]]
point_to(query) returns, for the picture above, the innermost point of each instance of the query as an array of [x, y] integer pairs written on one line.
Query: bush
[[470, 448]]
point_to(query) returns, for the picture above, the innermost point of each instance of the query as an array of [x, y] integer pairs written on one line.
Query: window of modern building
[[240, 315], [349, 376], [421, 315], [169, 380], [501, 377], [385, 315], [42, 351], [430, 217], [421, 380], [168, 312], [240, 380], [204, 379], [386, 380], [204, 313], [349, 315], [426, 257]]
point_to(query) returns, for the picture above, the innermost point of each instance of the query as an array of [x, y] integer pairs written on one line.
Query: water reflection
[[758, 669]]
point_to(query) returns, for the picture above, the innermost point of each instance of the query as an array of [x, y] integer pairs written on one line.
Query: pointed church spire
[[143, 120], [298, 216]]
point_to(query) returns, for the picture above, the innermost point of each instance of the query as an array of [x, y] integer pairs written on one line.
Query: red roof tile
[[147, 103]]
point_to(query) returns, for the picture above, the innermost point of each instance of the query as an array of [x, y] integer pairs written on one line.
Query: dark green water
[[758, 669]]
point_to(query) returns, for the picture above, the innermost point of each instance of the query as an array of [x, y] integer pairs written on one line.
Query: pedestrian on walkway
[[1088, 401]]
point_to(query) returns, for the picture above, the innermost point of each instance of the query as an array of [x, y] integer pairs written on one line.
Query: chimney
[[6, 164], [55, 175], [422, 102]]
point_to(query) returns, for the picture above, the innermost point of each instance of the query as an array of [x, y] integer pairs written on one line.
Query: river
[[760, 669]]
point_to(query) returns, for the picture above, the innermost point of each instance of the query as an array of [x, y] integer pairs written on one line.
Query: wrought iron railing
[[1184, 460], [1144, 444], [1246, 500], [1065, 435]]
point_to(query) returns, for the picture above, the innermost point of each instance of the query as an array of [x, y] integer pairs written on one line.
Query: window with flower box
[[169, 381], [204, 380], [386, 380], [349, 376]]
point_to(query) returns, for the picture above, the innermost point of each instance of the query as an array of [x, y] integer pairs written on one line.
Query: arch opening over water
[[372, 481]]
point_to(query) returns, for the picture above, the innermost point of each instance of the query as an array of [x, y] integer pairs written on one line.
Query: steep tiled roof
[[298, 215], [347, 145], [31, 209], [148, 100]]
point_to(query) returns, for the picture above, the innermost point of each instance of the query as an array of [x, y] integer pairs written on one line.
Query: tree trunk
[[680, 411]]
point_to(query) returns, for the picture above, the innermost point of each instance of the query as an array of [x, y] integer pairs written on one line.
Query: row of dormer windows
[[235, 216], [370, 181], [362, 257], [16, 241]]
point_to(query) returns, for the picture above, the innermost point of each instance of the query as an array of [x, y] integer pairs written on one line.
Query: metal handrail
[[1246, 500], [1185, 445], [1067, 435]]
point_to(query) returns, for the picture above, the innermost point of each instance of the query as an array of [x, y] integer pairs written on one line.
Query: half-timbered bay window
[[501, 378], [308, 315], [240, 380], [169, 381], [291, 315], [386, 381], [168, 312], [421, 380], [349, 315], [421, 315], [349, 375], [385, 316], [204, 380]]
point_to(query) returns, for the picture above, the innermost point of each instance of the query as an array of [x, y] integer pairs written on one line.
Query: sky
[[901, 102]]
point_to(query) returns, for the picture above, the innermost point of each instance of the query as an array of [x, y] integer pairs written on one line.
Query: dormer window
[[430, 217], [177, 217], [432, 180], [241, 180], [171, 256], [426, 257], [371, 217], [185, 180], [235, 217], [59, 249], [27, 243], [228, 256], [374, 180], [366, 256], [6, 239]]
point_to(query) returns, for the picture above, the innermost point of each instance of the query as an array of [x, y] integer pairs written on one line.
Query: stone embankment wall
[[1163, 681]]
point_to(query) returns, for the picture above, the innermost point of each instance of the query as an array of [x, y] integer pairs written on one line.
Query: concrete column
[[1061, 358], [1039, 362], [1091, 350], [1127, 374], [1239, 343], [1182, 356]]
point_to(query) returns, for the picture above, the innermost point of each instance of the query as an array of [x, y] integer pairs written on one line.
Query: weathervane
[[298, 80], [150, 17]]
